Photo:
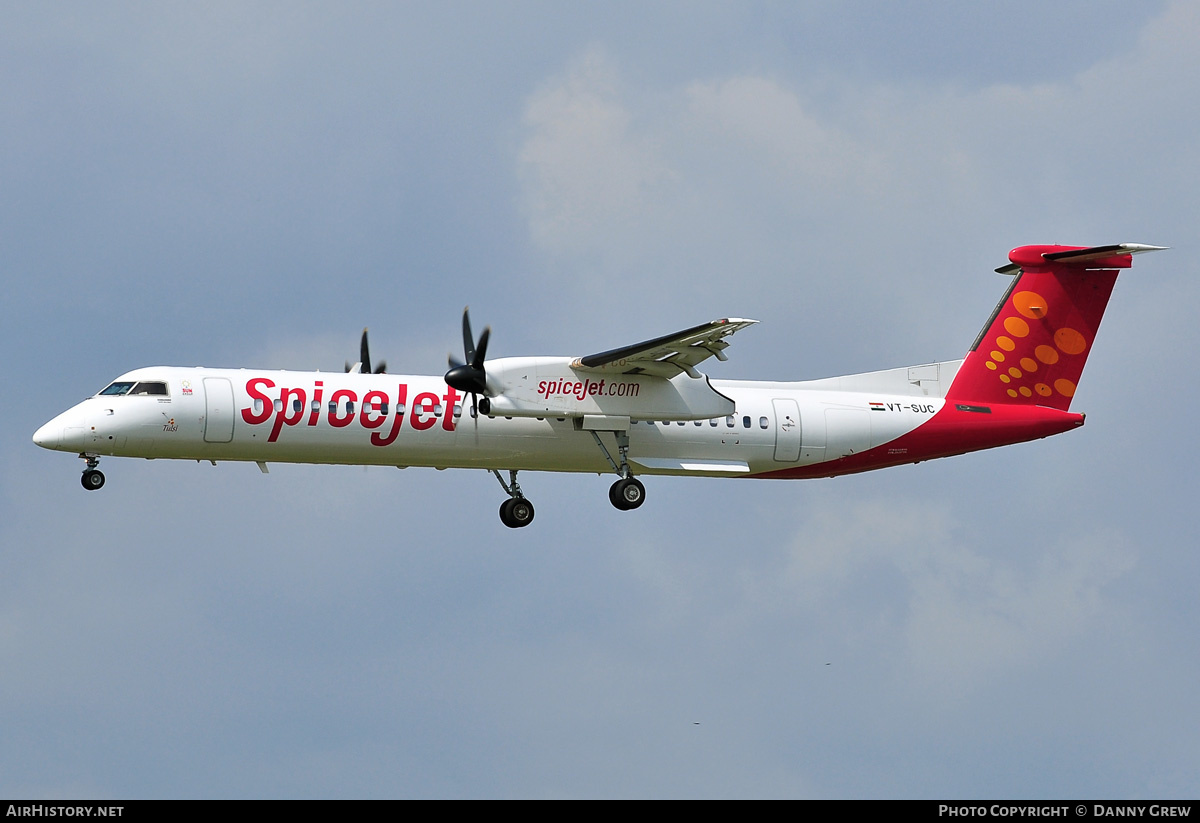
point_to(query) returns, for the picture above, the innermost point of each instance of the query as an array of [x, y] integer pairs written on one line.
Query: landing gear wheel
[[92, 479], [516, 512], [627, 493]]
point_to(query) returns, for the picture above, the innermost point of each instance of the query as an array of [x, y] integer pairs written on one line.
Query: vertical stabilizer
[[1034, 348]]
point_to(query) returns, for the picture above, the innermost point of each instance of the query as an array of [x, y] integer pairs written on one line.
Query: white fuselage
[[405, 420]]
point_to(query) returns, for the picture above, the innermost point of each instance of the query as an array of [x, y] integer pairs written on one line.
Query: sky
[[252, 183]]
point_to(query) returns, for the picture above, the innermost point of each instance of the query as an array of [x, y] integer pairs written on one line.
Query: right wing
[[669, 355]]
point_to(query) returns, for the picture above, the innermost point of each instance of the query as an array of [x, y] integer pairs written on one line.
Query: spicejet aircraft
[[636, 410]]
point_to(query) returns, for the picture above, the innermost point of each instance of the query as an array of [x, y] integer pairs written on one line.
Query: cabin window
[[763, 423], [698, 423], [114, 389], [297, 405], [730, 422], [315, 405], [257, 406], [457, 410], [400, 409], [746, 422], [278, 404], [155, 387], [350, 407], [713, 422]]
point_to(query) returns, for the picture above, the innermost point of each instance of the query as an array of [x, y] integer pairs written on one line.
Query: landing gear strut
[[628, 492], [516, 512], [92, 478]]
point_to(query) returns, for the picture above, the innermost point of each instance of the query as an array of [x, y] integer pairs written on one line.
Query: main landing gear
[[627, 493], [92, 478], [516, 512]]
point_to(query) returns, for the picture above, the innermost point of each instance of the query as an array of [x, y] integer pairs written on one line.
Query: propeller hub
[[467, 379]]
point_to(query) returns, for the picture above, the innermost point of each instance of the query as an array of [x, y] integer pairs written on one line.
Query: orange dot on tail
[[998, 356], [1042, 389], [1025, 392], [1064, 387], [1028, 364], [1069, 341], [1012, 392], [1005, 343], [1016, 326], [1015, 372], [1030, 303], [1046, 354], [990, 365]]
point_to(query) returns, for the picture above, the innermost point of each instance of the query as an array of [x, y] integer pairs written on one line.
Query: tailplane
[[1033, 349]]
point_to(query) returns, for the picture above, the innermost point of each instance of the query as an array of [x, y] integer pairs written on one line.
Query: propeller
[[364, 359], [470, 377]]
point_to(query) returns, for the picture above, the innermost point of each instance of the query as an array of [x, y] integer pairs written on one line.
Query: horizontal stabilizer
[[1116, 256]]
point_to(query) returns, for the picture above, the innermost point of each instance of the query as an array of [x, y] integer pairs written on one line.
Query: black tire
[[92, 479], [516, 513], [627, 494], [521, 513]]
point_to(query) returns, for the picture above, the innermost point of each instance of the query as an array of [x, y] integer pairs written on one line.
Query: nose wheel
[[92, 478]]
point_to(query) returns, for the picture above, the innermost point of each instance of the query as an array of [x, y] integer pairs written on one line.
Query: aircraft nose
[[49, 436], [64, 433]]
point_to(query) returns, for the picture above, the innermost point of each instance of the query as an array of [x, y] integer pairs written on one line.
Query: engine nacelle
[[549, 387]]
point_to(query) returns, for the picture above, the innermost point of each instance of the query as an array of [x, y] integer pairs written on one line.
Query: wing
[[669, 355]]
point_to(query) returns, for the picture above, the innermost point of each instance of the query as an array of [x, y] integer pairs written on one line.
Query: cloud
[[801, 191], [960, 606]]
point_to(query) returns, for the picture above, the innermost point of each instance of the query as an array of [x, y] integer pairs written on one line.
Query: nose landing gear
[[92, 478]]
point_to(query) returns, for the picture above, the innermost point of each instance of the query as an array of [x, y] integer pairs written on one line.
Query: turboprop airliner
[[634, 411]]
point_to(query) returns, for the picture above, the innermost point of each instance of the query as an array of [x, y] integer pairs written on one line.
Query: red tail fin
[[1035, 346]]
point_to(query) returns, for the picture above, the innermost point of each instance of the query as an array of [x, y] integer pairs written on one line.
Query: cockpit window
[[145, 387]]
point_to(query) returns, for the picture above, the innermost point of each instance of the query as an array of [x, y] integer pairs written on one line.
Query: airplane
[[637, 410]]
